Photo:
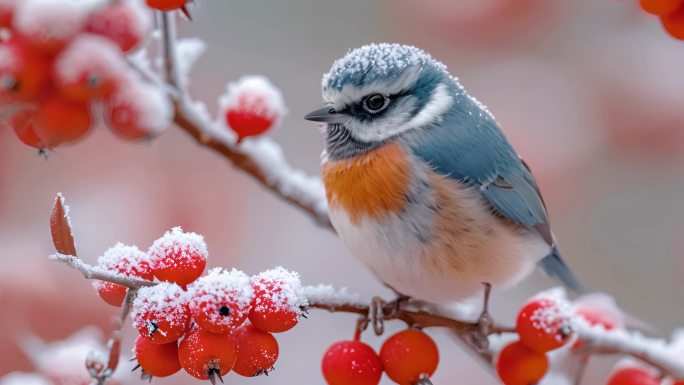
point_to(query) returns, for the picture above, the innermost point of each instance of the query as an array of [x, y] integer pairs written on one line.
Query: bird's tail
[[554, 266]]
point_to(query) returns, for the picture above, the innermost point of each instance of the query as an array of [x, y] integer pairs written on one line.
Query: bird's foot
[[479, 339]]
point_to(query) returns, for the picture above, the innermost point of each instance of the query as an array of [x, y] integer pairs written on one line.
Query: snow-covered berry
[[543, 324], [127, 23], [278, 300], [124, 260], [220, 301], [178, 256], [160, 312], [252, 106], [138, 110]]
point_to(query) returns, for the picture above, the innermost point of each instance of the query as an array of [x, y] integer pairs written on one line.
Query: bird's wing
[[480, 155]]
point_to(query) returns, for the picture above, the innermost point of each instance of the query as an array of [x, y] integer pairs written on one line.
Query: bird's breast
[[372, 185]]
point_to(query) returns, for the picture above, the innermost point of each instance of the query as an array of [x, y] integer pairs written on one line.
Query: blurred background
[[588, 91]]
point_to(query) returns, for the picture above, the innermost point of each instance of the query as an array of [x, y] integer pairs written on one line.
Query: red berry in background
[[252, 106], [660, 7], [138, 110], [125, 260], [220, 301], [409, 354], [49, 25], [89, 67], [204, 355], [632, 376], [127, 23], [159, 360], [277, 302], [516, 364], [257, 351], [178, 256], [543, 324], [674, 23], [160, 312], [24, 74], [166, 5], [22, 124], [59, 121], [351, 363], [7, 12]]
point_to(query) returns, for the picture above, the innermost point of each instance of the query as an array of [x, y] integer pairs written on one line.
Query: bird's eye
[[375, 103]]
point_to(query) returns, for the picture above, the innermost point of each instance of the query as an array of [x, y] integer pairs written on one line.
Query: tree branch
[[259, 157]]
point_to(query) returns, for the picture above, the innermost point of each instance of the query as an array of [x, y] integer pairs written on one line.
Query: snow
[[66, 208], [123, 259], [165, 299], [21, 378], [384, 60], [282, 287], [90, 55], [218, 288], [267, 155], [329, 295], [601, 305], [53, 19], [178, 242], [255, 94], [153, 110], [553, 320], [188, 51]]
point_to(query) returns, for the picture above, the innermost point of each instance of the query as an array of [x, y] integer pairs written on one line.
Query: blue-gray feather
[[494, 168]]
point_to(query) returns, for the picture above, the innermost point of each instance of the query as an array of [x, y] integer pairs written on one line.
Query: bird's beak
[[326, 115]]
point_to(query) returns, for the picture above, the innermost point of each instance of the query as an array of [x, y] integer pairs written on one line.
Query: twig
[[94, 272], [653, 352], [291, 185]]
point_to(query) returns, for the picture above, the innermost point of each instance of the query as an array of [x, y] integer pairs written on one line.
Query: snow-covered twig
[[651, 351], [261, 158], [94, 272]]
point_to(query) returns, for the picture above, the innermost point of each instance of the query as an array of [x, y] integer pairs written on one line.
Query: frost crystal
[[282, 288], [376, 61]]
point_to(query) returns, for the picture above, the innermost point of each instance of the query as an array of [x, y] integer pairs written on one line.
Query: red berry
[[7, 12], [89, 67], [252, 106], [178, 256], [674, 23], [166, 5], [257, 351], [159, 360], [518, 365], [160, 312], [632, 376], [49, 25], [409, 354], [61, 121], [203, 354], [126, 23], [138, 111], [22, 124], [277, 303], [24, 74], [660, 7], [125, 260], [221, 300], [351, 363], [544, 324]]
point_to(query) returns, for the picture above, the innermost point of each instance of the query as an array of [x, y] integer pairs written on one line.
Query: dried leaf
[[62, 237]]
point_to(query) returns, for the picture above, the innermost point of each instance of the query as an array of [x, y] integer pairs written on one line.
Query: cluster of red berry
[[63, 60], [670, 12], [405, 357], [199, 323]]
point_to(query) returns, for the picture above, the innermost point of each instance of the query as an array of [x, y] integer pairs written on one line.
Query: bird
[[422, 185]]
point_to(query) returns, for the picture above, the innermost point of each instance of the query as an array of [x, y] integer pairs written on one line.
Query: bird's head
[[378, 92]]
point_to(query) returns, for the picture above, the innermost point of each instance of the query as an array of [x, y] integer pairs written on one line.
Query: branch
[[651, 351], [261, 158]]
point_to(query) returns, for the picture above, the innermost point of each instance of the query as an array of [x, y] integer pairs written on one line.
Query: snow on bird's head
[[375, 62]]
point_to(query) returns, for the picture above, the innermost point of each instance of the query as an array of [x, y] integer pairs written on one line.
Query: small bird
[[423, 186]]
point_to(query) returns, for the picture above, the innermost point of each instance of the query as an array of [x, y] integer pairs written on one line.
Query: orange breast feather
[[371, 185]]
